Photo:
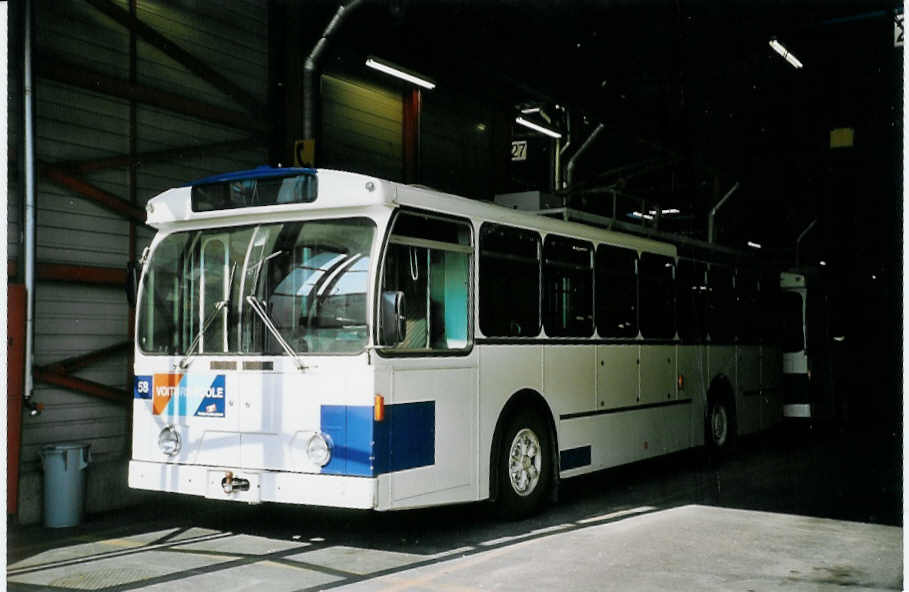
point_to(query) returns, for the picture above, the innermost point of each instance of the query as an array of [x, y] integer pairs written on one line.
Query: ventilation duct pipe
[[312, 61], [714, 209], [569, 169], [798, 241], [29, 174], [560, 152]]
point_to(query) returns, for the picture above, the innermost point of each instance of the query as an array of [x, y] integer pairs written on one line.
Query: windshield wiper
[[256, 305], [219, 306]]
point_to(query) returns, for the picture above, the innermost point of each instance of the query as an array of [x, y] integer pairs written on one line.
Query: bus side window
[[406, 270], [567, 287], [428, 259], [509, 281], [691, 301], [721, 305], [748, 313], [616, 291], [657, 296]]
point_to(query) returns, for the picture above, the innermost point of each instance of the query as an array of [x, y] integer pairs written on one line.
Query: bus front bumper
[[259, 485]]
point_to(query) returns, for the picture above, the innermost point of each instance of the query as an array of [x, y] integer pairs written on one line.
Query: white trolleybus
[[328, 338]]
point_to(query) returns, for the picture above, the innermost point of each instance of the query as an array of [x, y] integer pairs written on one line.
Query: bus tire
[[720, 424], [524, 466]]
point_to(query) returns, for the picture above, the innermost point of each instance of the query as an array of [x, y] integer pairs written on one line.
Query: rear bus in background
[[328, 338], [808, 347]]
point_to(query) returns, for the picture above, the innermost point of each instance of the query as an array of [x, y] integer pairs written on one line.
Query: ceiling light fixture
[[399, 72], [538, 128], [754, 245], [529, 110], [781, 49]]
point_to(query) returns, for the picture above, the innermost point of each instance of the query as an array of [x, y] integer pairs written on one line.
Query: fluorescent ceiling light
[[641, 215], [754, 245], [666, 212], [780, 49], [529, 110], [399, 72], [539, 128]]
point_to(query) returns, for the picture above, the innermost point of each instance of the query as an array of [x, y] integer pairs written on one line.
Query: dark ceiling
[[692, 88]]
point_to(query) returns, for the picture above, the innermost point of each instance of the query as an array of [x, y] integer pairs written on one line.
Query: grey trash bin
[[64, 483]]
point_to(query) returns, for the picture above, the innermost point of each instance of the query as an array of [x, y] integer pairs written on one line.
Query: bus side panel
[[772, 385], [617, 375], [504, 370], [622, 436], [658, 381], [613, 439], [569, 378], [695, 381], [749, 398], [450, 475]]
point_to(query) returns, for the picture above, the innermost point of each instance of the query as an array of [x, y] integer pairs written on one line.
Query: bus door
[[428, 378]]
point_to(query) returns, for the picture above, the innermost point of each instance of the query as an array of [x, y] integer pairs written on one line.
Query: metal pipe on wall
[[714, 210], [312, 61], [29, 173], [569, 169]]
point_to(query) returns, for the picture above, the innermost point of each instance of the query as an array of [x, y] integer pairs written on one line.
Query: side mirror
[[394, 317], [132, 283]]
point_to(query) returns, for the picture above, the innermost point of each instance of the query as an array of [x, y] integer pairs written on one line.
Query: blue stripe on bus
[[574, 458], [405, 439], [350, 430]]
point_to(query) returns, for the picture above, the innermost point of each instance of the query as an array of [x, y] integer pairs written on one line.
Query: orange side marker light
[[379, 408]]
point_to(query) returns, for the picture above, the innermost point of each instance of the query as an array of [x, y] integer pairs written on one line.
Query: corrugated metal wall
[[74, 124], [456, 144], [361, 128]]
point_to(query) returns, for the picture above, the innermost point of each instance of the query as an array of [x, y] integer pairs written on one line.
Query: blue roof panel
[[262, 172]]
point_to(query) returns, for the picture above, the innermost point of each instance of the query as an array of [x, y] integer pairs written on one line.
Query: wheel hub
[[719, 425], [525, 460]]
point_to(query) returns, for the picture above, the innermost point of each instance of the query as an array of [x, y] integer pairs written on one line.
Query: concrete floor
[[786, 511]]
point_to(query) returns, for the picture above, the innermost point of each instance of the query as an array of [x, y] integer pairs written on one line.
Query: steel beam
[[87, 387], [70, 365], [55, 272], [99, 196], [57, 69], [181, 152], [181, 56]]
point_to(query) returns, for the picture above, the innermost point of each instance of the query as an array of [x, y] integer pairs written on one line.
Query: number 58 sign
[[519, 150]]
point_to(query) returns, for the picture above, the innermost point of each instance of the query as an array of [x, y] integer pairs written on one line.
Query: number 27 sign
[[519, 150]]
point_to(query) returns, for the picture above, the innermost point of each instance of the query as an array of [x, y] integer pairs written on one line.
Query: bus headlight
[[318, 449], [169, 441]]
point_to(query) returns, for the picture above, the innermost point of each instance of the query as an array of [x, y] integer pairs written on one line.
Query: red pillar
[[411, 131]]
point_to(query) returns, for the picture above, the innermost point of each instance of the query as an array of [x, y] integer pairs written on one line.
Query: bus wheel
[[525, 466], [720, 424]]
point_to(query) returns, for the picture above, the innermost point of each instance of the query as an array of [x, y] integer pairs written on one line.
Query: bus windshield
[[310, 277]]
